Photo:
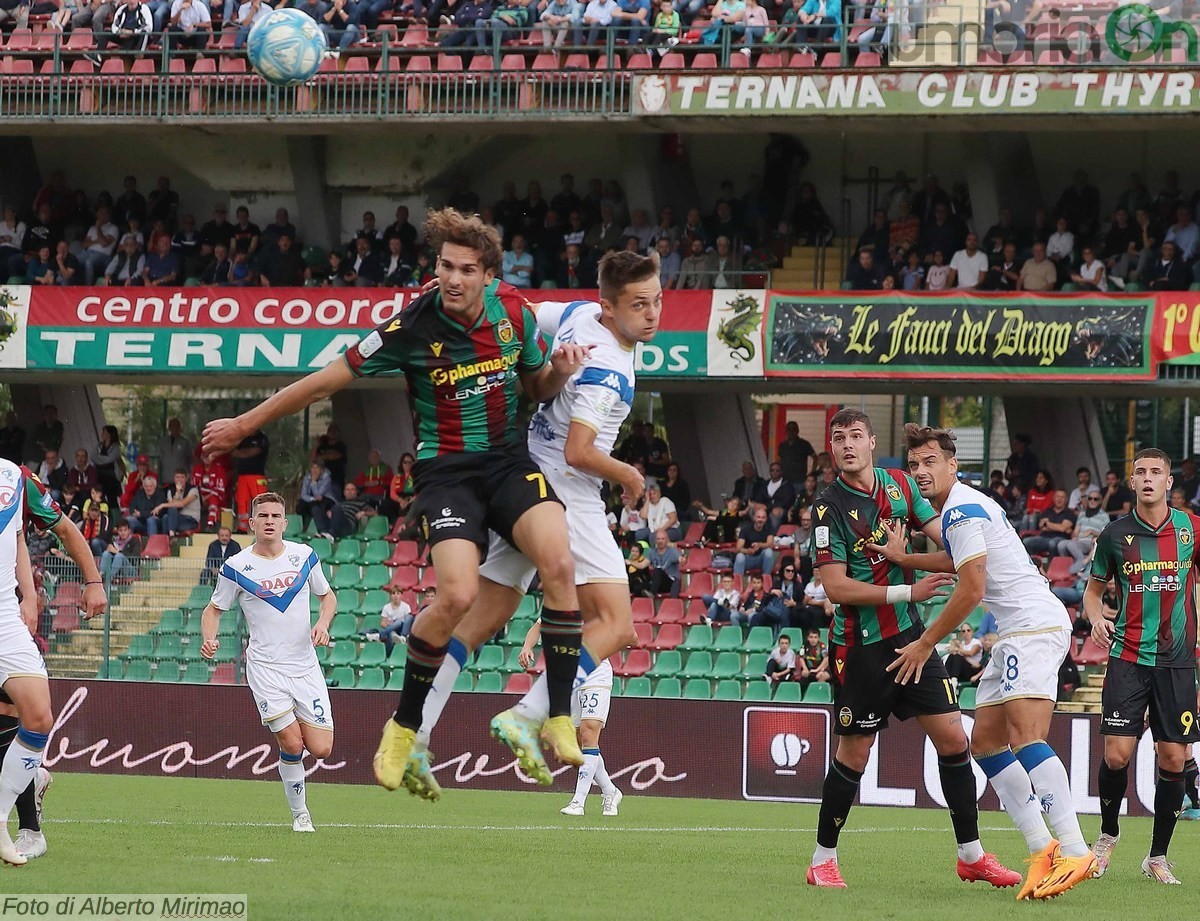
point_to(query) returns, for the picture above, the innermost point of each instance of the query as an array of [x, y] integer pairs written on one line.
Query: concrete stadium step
[[941, 45], [1073, 706], [1095, 680], [1090, 695], [781, 278]]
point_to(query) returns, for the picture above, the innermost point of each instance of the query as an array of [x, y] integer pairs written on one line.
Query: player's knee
[[589, 736], [38, 719], [558, 568], [454, 601], [1117, 758], [320, 748]]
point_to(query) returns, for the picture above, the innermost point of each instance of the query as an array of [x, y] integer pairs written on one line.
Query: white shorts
[[592, 698], [19, 655], [597, 556], [1024, 665], [282, 699]]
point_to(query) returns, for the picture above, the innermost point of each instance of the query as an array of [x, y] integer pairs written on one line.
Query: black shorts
[[464, 496], [1168, 693], [865, 694]]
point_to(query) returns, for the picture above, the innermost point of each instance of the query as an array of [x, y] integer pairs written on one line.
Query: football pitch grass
[[498, 856]]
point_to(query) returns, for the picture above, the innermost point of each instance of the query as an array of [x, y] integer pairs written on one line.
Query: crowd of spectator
[[64, 237], [927, 239]]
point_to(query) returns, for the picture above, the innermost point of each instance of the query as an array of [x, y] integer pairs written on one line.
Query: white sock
[[1016, 794], [439, 696], [586, 774], [970, 851], [535, 705], [20, 767], [1053, 789], [602, 778], [822, 854], [292, 775]]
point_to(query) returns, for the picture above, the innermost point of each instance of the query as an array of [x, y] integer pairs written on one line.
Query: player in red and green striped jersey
[[464, 347], [875, 618], [1151, 554]]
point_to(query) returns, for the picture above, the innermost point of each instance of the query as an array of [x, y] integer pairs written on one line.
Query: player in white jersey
[[270, 581], [1020, 684], [589, 712], [25, 501], [571, 438]]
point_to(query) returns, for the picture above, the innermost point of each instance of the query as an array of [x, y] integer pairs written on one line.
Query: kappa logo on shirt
[[954, 516]]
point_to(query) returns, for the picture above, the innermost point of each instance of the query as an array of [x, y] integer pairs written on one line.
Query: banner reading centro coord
[[910, 92], [291, 331], [960, 336]]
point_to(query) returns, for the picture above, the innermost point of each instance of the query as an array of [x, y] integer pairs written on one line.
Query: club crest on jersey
[[893, 492], [1185, 536], [436, 348], [276, 585], [9, 475], [504, 331], [7, 496], [845, 717], [294, 559]]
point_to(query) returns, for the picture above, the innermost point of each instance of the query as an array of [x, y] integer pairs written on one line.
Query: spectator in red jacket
[[133, 480], [212, 479]]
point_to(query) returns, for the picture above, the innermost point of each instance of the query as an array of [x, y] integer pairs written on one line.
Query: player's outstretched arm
[[841, 589], [94, 598], [223, 435], [320, 630], [210, 623], [526, 657], [1093, 609], [582, 454], [972, 579], [893, 550]]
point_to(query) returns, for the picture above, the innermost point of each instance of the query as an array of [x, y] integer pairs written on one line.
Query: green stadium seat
[[138, 670], [698, 637], [348, 575], [697, 689], [529, 608], [170, 622], [517, 630], [761, 639], [490, 659], [141, 647], [314, 257], [323, 655], [167, 670], [372, 679], [377, 529], [618, 687], [376, 552], [322, 548], [169, 647], [975, 618], [16, 280], [294, 528], [668, 687], [343, 626], [728, 690], [196, 673], [199, 597], [191, 651], [788, 692], [228, 652], [228, 625], [699, 665], [348, 550], [377, 576], [464, 682], [372, 655], [344, 653], [729, 639], [637, 687], [966, 697], [511, 664], [396, 680], [399, 656], [342, 677], [668, 664], [819, 692], [728, 665], [116, 669], [757, 690], [756, 667], [347, 601], [373, 602], [490, 683]]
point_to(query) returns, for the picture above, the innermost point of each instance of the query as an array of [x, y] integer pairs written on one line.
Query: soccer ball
[[286, 47]]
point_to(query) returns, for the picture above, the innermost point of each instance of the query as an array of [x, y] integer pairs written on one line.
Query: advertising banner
[[918, 92], [959, 336], [260, 331], [1176, 336], [652, 747]]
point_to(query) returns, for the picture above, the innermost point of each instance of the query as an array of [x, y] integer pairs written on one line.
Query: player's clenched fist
[[221, 436], [209, 648], [569, 358], [320, 636]]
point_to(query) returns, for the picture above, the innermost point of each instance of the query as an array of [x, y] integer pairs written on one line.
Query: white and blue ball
[[286, 47]]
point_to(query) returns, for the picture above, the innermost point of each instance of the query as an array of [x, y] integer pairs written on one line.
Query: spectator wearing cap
[[133, 480], [175, 450], [1091, 520]]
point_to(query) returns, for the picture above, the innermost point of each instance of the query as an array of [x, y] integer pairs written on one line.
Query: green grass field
[[496, 856]]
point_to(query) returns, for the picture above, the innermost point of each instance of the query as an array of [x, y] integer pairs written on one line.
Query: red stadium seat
[[225, 40], [20, 40], [670, 61], [387, 32], [832, 59], [805, 60], [406, 577], [645, 634], [670, 611], [548, 61], [699, 583], [405, 553], [428, 579], [698, 560], [1059, 571], [512, 62], [695, 532], [1090, 654], [518, 683], [578, 62], [80, 40], [603, 62], [415, 36], [770, 61], [85, 68], [17, 67], [643, 610], [868, 59], [157, 546], [65, 620], [635, 664], [142, 67], [640, 61], [704, 61], [695, 612], [449, 63], [420, 63], [232, 66], [358, 66], [669, 636], [225, 673]]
